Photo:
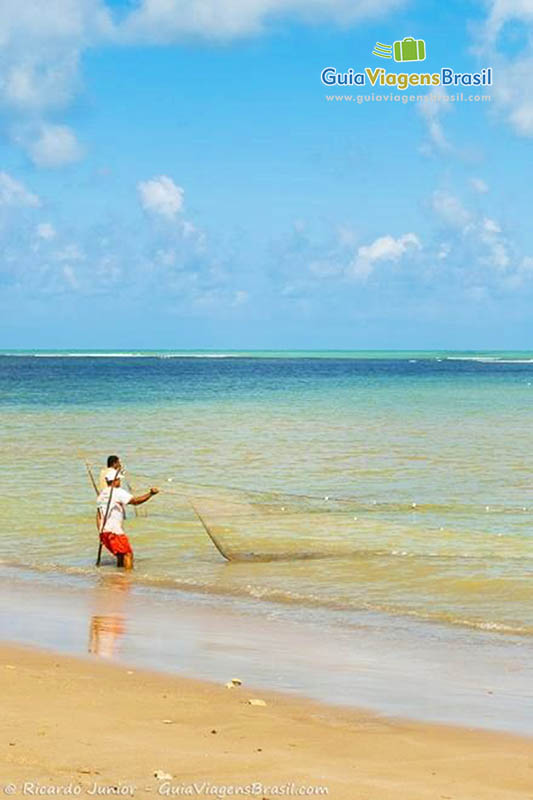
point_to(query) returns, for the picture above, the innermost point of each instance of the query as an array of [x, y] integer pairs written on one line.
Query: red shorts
[[116, 543]]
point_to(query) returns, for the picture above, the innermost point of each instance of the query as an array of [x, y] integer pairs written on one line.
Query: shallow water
[[399, 667], [395, 483]]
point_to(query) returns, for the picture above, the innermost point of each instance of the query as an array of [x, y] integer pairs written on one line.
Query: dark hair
[[112, 460]]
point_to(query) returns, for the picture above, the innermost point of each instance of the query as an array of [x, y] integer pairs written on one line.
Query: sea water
[[388, 483]]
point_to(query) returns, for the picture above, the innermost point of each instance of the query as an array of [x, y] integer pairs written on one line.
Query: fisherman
[[112, 533], [112, 461]]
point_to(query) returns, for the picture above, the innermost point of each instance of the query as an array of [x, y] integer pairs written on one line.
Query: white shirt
[[117, 510], [102, 483]]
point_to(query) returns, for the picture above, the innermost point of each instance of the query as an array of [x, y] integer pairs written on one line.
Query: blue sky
[[172, 176]]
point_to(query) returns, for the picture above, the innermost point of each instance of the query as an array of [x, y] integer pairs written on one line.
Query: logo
[[404, 50], [382, 50], [407, 49], [410, 49]]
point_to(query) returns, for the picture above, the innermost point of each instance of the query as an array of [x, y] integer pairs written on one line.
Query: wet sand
[[394, 667], [69, 722]]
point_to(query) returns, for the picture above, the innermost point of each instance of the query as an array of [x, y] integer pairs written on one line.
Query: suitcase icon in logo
[[410, 49]]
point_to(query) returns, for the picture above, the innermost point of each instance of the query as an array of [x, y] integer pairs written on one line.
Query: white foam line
[[491, 359], [88, 355], [124, 355]]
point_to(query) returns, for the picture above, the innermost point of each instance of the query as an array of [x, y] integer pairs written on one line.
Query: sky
[[173, 176]]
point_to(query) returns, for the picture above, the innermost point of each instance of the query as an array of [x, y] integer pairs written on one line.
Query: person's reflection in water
[[108, 626]]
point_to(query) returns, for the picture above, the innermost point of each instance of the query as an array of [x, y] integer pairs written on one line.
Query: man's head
[[112, 477], [113, 461]]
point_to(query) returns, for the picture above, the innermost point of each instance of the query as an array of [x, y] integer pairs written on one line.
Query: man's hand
[[138, 501]]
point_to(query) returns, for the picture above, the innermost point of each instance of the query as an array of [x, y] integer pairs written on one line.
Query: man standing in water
[[110, 519], [112, 461]]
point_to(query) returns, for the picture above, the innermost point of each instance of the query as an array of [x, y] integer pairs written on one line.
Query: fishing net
[[247, 525], [252, 525]]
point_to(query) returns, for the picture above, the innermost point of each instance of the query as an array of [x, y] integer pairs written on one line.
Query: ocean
[[390, 483]]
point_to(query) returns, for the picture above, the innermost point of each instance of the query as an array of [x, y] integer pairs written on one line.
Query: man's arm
[[138, 501]]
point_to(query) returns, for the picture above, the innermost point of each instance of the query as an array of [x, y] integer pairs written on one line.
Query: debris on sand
[[233, 683], [162, 776]]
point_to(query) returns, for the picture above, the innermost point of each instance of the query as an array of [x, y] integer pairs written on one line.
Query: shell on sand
[[162, 776], [233, 683]]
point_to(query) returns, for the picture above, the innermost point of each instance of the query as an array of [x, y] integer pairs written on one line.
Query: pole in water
[[102, 527], [95, 487], [91, 477]]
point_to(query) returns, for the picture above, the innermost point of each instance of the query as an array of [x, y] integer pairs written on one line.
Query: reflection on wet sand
[[108, 624], [105, 633]]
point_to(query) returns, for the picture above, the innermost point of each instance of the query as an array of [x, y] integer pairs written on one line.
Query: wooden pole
[[91, 477], [102, 528], [95, 487]]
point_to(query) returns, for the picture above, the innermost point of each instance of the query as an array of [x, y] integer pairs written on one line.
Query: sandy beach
[[70, 722]]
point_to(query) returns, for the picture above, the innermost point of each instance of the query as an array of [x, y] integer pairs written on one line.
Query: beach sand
[[69, 722]]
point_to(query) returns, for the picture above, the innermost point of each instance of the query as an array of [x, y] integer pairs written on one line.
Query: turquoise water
[[395, 482]]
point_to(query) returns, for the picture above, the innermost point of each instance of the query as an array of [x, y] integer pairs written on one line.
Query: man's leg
[[123, 551]]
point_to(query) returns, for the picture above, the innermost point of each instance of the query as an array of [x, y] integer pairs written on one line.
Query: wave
[[88, 355], [206, 355], [277, 596], [491, 359], [147, 354], [260, 354]]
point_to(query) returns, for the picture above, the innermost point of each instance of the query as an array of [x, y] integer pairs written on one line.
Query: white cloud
[[496, 249], [479, 185], [491, 226], [324, 268], [161, 196], [55, 146], [481, 236], [513, 86], [14, 193], [70, 277], [479, 241], [498, 255], [40, 47], [522, 276], [444, 251], [42, 44], [347, 236], [385, 248], [189, 229], [478, 294], [526, 264], [521, 118], [71, 252], [163, 21], [240, 298], [449, 209], [45, 231], [34, 85], [513, 92], [431, 110], [501, 11], [217, 298], [194, 235], [166, 257]]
